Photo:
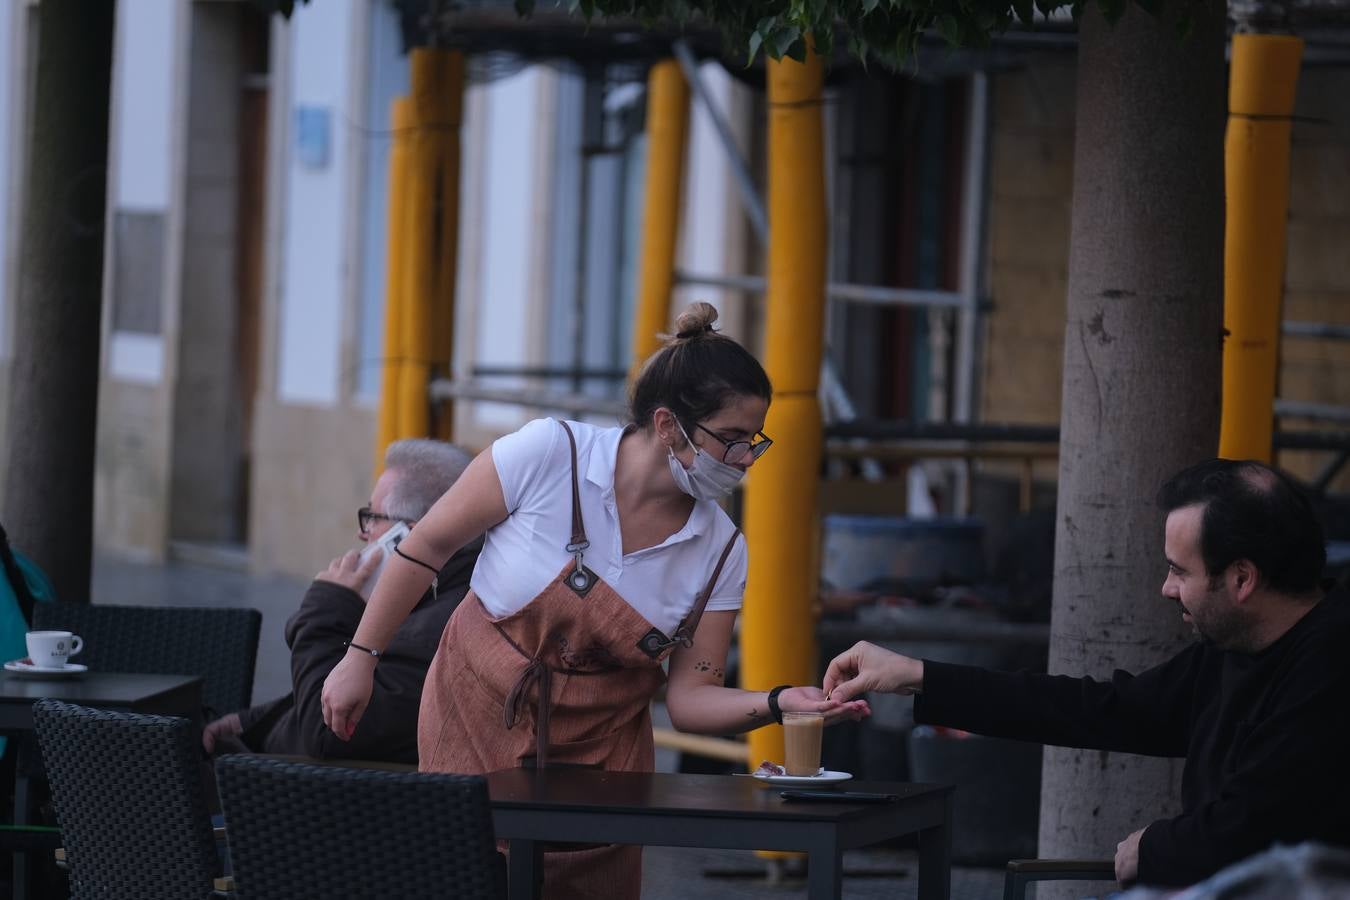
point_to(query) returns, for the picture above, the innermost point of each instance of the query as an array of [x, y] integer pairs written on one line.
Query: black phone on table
[[837, 796]]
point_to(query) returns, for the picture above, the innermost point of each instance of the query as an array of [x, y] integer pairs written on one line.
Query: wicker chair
[[220, 644], [128, 795], [301, 830]]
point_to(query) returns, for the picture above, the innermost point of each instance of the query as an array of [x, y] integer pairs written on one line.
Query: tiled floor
[[668, 873]]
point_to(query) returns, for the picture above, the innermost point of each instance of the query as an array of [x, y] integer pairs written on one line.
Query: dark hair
[[1251, 512], [696, 373]]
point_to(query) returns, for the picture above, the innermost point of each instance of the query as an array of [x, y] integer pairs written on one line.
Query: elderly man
[[417, 472], [1258, 706]]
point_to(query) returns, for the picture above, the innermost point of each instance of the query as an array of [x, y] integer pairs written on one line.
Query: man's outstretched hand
[[866, 667]]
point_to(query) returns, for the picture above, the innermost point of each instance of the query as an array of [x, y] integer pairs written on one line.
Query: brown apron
[[577, 667]]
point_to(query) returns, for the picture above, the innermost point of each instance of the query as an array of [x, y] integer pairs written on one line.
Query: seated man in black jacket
[[1258, 706], [417, 472]]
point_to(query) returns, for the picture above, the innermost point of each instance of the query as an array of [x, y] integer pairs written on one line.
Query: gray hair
[[425, 470]]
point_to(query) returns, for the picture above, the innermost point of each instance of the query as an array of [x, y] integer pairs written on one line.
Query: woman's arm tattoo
[[704, 666]]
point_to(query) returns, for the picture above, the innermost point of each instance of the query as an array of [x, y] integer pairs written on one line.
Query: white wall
[[710, 242], [316, 271], [141, 152], [144, 79], [506, 229], [388, 78]]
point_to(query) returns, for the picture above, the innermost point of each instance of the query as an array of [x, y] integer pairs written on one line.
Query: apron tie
[[538, 671]]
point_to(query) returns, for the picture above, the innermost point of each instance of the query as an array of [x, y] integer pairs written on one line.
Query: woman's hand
[[813, 699], [346, 693]]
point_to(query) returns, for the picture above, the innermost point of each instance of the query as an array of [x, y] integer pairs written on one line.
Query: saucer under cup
[[24, 668], [824, 776]]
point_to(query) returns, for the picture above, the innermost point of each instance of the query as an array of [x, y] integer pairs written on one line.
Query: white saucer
[[824, 776], [25, 669]]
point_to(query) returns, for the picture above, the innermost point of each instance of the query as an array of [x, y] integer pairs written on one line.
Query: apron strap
[[579, 541], [684, 634], [582, 579]]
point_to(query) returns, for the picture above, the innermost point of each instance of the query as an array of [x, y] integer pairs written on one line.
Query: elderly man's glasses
[[737, 452], [365, 515]]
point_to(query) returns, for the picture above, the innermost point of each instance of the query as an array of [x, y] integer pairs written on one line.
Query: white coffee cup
[[51, 649]]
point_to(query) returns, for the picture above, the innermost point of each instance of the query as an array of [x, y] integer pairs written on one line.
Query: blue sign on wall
[[313, 136]]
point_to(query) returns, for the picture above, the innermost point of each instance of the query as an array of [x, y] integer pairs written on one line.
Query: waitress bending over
[[605, 554]]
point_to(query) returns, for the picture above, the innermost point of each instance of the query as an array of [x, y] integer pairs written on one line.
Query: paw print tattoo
[[702, 665]]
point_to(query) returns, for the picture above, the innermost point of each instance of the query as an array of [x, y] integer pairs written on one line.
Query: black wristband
[[773, 703], [355, 646]]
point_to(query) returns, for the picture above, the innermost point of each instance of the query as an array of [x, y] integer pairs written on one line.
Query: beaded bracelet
[[355, 646]]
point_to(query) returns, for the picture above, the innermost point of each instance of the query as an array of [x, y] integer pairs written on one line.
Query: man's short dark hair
[[1251, 512]]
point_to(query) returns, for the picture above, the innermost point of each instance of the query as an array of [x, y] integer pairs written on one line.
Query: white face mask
[[706, 478]]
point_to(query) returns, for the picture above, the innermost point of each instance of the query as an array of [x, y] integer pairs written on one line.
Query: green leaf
[[950, 29], [778, 43], [756, 40], [869, 5], [797, 50]]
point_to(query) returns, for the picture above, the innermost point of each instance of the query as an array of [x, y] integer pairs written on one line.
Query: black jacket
[[1265, 737], [327, 617]]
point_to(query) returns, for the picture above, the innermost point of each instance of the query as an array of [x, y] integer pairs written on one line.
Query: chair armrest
[[1022, 872], [223, 887]]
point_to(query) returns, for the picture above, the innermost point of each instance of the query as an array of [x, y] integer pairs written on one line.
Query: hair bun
[[695, 320]]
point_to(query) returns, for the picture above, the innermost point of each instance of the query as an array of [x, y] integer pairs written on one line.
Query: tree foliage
[[887, 30]]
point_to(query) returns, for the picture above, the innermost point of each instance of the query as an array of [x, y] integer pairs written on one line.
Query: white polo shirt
[[526, 551]]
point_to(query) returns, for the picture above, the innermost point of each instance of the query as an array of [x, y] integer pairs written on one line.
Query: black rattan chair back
[[219, 644], [128, 794], [300, 830]]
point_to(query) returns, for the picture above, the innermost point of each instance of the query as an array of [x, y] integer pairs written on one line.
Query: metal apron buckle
[[656, 645], [580, 579]]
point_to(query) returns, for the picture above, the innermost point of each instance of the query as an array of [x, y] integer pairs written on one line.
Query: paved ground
[[668, 873]]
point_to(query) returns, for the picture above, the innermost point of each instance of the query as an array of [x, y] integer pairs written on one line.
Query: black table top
[[113, 689], [722, 796]]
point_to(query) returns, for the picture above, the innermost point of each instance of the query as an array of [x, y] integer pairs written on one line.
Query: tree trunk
[[1142, 350], [49, 492]]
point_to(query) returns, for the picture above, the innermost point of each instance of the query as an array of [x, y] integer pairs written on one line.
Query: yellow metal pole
[[778, 643], [1262, 83], [414, 406], [386, 429], [667, 131], [451, 108]]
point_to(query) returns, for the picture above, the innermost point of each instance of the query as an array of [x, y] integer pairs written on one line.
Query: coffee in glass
[[801, 742]]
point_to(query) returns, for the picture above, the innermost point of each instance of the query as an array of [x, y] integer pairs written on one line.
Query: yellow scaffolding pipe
[[667, 130], [387, 425], [1262, 83], [431, 231], [778, 643]]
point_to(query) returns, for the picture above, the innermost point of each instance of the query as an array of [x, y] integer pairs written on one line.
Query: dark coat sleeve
[[1146, 713], [1286, 784], [327, 618], [261, 717]]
